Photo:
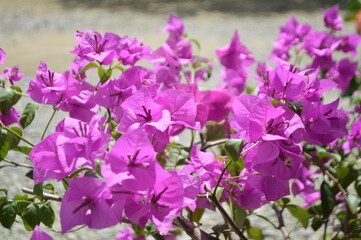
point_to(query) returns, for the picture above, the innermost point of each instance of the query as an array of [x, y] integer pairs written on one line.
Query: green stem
[[47, 125], [221, 177], [17, 164], [16, 134], [225, 168], [224, 213], [85, 168]]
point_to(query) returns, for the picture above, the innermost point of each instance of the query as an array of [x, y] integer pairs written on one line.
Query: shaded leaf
[[31, 216], [28, 114], [12, 138], [8, 213], [4, 144], [327, 199], [316, 223], [233, 148], [47, 214], [38, 191], [8, 98], [215, 131]]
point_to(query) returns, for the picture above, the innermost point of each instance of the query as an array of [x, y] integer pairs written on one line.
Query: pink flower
[[332, 19], [12, 74], [2, 56], [39, 234], [85, 202]]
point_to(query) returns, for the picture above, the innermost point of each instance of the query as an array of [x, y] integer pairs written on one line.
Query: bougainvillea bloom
[[323, 123], [12, 74], [12, 116], [2, 56], [93, 46], [332, 19], [39, 234], [235, 54], [85, 202]]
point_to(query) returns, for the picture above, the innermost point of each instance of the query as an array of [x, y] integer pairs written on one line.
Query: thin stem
[[74, 230], [215, 143], [16, 134], [84, 168], [192, 230], [221, 177], [45, 195], [47, 125], [157, 236], [229, 163], [224, 213], [281, 225], [17, 164], [325, 229], [326, 171], [244, 151]]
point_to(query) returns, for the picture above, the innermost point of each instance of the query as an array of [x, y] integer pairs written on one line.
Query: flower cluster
[[116, 149]]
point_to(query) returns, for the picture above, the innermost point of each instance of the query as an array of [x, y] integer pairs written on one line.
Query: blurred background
[[42, 30]]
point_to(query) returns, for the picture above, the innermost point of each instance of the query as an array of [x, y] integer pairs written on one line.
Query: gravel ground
[[32, 31]]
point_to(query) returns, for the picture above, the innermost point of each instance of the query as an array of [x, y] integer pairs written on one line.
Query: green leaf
[[219, 193], [87, 67], [215, 131], [197, 214], [316, 223], [22, 149], [249, 90], [49, 186], [322, 155], [31, 216], [47, 215], [235, 168], [28, 114], [8, 213], [38, 191], [233, 148], [255, 233], [195, 42], [342, 172], [104, 75], [299, 213], [8, 98], [30, 174], [266, 219], [12, 138], [327, 200], [119, 68], [239, 215], [358, 188], [4, 144], [5, 191], [352, 202], [21, 205]]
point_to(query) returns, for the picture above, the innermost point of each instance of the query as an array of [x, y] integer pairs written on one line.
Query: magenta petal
[[39, 234]]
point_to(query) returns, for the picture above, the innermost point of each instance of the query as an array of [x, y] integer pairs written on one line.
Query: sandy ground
[[32, 31]]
